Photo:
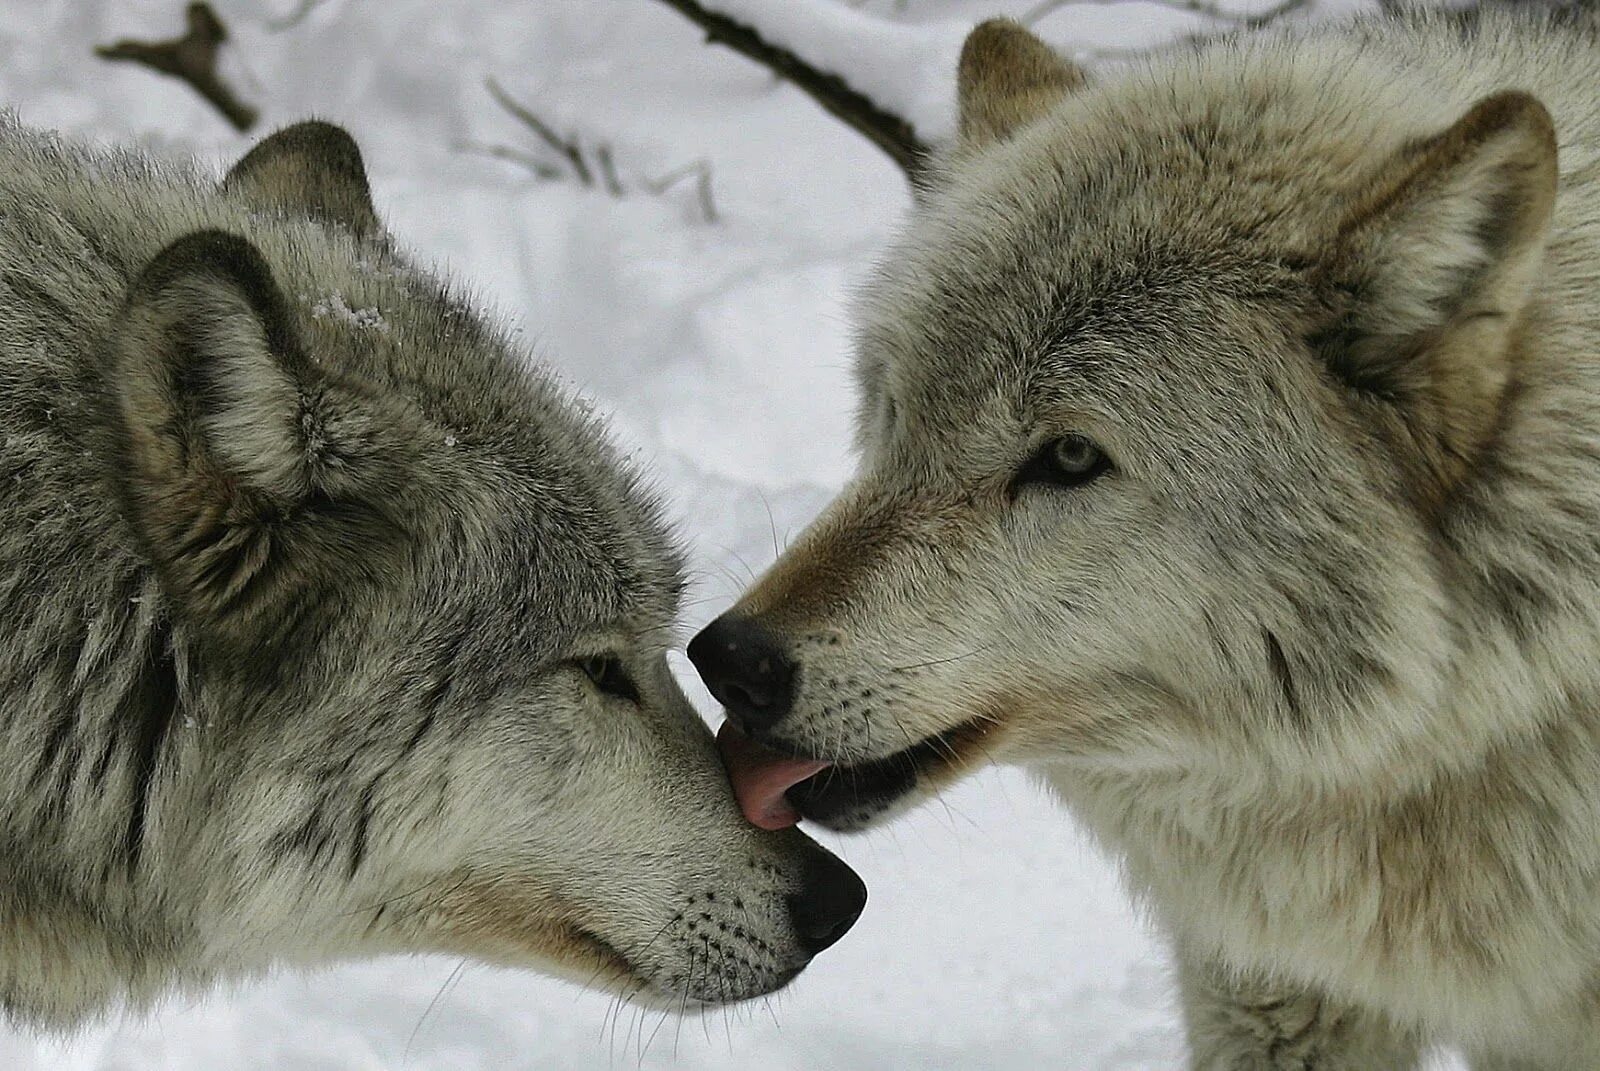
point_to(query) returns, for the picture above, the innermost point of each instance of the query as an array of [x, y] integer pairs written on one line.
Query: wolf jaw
[[776, 789]]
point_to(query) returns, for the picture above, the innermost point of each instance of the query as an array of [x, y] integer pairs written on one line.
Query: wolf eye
[[608, 675], [1070, 461]]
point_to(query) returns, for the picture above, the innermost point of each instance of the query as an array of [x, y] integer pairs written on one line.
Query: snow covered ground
[[996, 937]]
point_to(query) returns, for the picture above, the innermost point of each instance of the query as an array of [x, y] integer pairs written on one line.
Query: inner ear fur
[[220, 422], [1005, 80], [311, 169], [1438, 267]]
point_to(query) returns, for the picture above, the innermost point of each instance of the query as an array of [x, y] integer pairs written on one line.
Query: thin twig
[[891, 133], [568, 148], [608, 171], [1204, 8], [541, 169], [191, 58], [701, 170], [702, 187], [294, 18], [578, 159]]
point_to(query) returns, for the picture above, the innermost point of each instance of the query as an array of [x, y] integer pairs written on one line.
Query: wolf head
[[420, 607], [1161, 397]]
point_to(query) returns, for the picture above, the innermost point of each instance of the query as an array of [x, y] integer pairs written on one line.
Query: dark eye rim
[[607, 673], [1042, 469]]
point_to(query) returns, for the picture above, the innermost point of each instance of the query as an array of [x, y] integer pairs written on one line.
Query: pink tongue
[[761, 776]]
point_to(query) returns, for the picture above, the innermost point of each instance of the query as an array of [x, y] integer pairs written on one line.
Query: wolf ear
[[1006, 79], [313, 169], [214, 402], [1442, 259]]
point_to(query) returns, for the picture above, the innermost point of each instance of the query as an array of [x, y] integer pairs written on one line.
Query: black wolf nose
[[829, 902], [745, 671]]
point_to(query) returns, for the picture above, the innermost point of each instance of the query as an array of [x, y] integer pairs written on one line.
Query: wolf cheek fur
[[307, 574], [1315, 653]]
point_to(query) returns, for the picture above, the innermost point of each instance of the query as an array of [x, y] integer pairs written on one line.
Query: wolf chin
[[1230, 458], [333, 626]]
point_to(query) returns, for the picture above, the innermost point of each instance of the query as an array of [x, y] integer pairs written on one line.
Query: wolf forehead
[[560, 525], [1129, 218]]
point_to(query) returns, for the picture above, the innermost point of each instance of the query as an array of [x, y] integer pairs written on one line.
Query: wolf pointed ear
[[1006, 79], [1441, 261], [313, 169], [214, 401]]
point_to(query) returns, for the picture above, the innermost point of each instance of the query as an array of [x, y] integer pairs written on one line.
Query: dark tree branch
[[191, 58], [890, 132]]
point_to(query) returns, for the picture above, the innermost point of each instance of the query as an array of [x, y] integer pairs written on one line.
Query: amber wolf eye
[[1070, 461], [608, 675]]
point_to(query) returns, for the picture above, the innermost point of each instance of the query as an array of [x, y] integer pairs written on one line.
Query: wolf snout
[[830, 900], [746, 670]]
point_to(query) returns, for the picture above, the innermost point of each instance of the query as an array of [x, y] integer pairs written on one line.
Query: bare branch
[[1205, 8], [701, 170], [702, 185], [294, 18], [592, 167], [191, 58], [891, 133], [608, 171], [541, 169], [568, 148]]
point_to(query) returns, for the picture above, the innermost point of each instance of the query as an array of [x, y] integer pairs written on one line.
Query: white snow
[[996, 937], [335, 307]]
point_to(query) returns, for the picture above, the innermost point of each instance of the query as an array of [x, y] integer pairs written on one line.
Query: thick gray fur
[[307, 572]]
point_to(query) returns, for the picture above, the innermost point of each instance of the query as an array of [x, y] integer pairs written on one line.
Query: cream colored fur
[[1319, 656]]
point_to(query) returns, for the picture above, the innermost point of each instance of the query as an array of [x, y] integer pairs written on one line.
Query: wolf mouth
[[840, 795], [651, 989], [605, 953], [637, 984], [844, 794]]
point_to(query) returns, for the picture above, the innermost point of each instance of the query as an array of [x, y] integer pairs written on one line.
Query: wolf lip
[[837, 794], [854, 792], [604, 951]]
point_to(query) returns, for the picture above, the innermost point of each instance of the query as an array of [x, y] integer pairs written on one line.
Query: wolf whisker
[[683, 1009], [941, 661], [405, 1057], [777, 551], [666, 1013]]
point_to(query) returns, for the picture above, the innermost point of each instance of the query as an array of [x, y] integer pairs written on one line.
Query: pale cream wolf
[[1230, 435], [332, 625]]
